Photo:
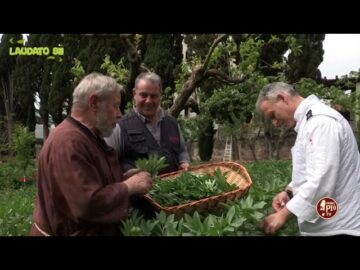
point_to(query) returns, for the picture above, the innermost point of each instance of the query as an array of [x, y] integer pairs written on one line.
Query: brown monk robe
[[80, 188]]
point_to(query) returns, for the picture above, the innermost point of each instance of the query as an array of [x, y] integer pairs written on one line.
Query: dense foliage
[[236, 218], [241, 217]]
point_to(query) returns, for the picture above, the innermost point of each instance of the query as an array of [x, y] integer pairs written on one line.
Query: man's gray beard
[[100, 124], [105, 132]]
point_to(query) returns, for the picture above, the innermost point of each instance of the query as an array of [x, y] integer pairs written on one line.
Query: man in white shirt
[[324, 193]]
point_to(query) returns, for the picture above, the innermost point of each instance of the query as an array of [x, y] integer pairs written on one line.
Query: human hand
[[184, 166], [139, 183], [272, 223], [131, 172], [280, 201]]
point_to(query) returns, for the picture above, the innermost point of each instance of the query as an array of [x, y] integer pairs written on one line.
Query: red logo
[[174, 139], [24, 179], [327, 207]]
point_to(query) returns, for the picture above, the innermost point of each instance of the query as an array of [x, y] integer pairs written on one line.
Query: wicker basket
[[236, 174]]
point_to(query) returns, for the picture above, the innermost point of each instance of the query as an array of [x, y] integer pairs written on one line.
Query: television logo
[[327, 207], [54, 53]]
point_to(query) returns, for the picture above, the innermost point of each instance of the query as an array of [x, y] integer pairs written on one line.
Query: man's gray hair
[[271, 90], [149, 76], [94, 83]]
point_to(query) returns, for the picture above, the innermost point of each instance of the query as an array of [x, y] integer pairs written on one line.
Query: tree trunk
[[45, 120], [135, 67], [9, 122], [8, 95], [189, 147], [268, 133], [235, 149], [206, 140], [251, 144], [280, 141]]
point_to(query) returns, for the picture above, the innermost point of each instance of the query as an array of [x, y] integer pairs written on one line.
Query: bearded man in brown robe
[[81, 188]]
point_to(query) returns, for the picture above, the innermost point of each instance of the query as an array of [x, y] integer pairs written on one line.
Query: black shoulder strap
[[309, 115]]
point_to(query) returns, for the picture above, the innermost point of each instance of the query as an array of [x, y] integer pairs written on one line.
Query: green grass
[[17, 199], [16, 210]]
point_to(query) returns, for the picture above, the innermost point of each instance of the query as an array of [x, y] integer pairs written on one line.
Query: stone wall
[[245, 153]]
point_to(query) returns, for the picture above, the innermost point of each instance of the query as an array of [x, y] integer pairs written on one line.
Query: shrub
[[24, 143]]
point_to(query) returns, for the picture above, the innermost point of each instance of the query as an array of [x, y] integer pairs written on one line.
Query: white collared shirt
[[326, 163]]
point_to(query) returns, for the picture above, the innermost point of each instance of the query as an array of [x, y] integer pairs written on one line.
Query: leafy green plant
[[189, 187], [16, 211], [153, 164], [117, 71], [78, 71], [24, 142], [136, 225], [167, 225]]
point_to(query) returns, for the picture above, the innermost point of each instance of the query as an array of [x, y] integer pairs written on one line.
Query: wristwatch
[[289, 193]]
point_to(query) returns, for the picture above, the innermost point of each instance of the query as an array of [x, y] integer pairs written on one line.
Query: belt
[[40, 230]]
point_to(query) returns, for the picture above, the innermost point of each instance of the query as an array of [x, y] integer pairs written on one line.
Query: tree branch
[[212, 48], [189, 87], [136, 66], [132, 53], [196, 77], [192, 103], [224, 78]]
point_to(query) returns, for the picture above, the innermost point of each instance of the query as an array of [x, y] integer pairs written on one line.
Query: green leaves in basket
[[221, 183], [188, 187], [153, 164]]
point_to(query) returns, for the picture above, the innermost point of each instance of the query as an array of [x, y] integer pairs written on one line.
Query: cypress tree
[[206, 140], [60, 95], [163, 56], [26, 93], [271, 52], [306, 64], [97, 46], [7, 91]]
